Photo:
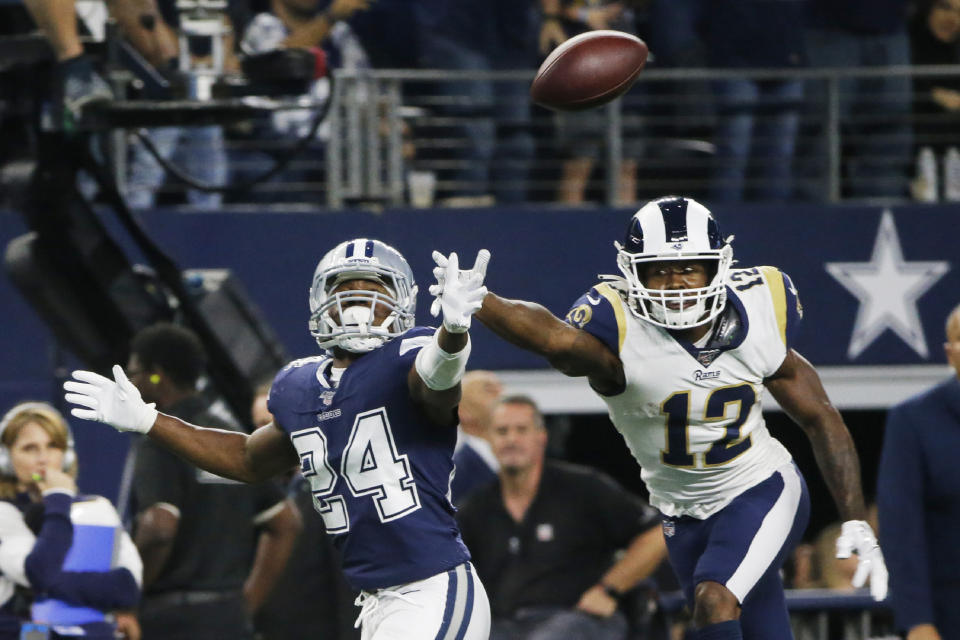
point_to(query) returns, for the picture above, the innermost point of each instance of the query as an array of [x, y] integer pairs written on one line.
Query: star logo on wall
[[888, 288]]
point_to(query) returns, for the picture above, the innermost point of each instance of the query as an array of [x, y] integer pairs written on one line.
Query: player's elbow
[[563, 362]]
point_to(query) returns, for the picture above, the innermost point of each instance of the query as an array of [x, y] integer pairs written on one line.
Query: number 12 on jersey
[[677, 409], [370, 465]]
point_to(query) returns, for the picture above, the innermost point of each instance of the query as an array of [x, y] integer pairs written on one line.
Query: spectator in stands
[[76, 83], [544, 537], [757, 120], [304, 24], [73, 579], [875, 111], [212, 548], [934, 32], [314, 576], [199, 151], [582, 134], [492, 119], [474, 463], [918, 492]]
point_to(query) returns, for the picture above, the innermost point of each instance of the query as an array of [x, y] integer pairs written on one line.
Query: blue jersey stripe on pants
[[743, 547], [459, 605]]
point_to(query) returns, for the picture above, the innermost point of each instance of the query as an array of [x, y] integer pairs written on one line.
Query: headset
[[6, 463]]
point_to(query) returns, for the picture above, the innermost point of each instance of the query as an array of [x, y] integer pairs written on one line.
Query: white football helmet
[[667, 229], [354, 331]]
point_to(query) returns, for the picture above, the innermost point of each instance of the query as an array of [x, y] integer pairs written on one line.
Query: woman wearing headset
[[70, 552]]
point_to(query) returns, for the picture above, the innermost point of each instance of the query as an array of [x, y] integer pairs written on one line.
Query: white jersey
[[691, 415]]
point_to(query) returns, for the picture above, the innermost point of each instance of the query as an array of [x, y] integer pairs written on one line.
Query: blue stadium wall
[[905, 271]]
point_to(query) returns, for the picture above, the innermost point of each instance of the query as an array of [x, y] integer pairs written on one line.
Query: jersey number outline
[[677, 409], [371, 465]]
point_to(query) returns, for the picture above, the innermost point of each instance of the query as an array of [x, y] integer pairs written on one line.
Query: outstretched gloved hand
[[116, 402]]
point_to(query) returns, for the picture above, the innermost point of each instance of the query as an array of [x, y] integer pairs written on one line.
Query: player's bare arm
[[570, 350], [230, 454], [238, 456], [439, 404], [797, 387]]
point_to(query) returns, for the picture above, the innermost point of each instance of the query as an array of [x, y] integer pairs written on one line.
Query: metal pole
[[370, 95], [355, 150], [614, 150], [833, 138], [395, 157], [335, 149], [118, 78]]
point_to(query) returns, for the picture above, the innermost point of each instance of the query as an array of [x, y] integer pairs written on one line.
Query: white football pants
[[448, 606]]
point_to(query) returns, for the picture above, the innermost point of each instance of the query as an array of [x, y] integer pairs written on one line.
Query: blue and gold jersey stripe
[[616, 304]]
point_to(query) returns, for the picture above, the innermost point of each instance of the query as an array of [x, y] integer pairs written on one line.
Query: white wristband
[[438, 369]]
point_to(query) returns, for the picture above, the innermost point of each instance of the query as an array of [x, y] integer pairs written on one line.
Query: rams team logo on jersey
[[580, 315]]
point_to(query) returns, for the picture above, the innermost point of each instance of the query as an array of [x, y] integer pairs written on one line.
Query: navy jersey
[[378, 468]]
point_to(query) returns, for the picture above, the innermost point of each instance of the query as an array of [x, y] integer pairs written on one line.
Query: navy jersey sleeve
[[901, 504], [786, 303], [600, 313], [45, 560], [287, 397], [409, 344]]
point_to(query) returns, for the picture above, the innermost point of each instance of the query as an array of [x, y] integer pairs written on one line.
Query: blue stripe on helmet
[[634, 240], [349, 252], [674, 213], [368, 249]]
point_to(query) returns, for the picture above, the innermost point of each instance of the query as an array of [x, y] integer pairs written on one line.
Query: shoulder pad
[[601, 313]]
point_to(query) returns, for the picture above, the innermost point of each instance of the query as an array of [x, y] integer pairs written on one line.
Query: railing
[[422, 137]]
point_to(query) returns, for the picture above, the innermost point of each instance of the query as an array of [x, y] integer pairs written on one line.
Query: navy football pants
[[743, 547]]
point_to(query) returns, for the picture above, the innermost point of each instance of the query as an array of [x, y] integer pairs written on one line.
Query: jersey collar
[[729, 332]]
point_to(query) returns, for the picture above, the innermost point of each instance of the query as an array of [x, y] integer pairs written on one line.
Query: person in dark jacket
[[874, 111], [545, 536], [918, 495], [212, 548], [757, 119]]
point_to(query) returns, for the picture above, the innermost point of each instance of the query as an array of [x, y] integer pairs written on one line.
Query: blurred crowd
[[467, 140]]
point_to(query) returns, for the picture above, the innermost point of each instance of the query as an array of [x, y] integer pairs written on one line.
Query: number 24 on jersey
[[370, 465]]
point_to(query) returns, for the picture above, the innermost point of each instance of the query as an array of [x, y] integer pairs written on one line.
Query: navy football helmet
[[667, 229], [354, 329]]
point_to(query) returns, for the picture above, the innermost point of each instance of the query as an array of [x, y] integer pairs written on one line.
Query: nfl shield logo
[[707, 356], [669, 528], [327, 397]]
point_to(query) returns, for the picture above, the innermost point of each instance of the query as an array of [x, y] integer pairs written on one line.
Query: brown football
[[589, 70]]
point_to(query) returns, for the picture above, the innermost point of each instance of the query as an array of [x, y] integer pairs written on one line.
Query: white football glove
[[116, 402], [856, 536], [459, 294]]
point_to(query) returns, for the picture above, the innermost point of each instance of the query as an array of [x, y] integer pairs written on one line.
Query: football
[[588, 70]]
